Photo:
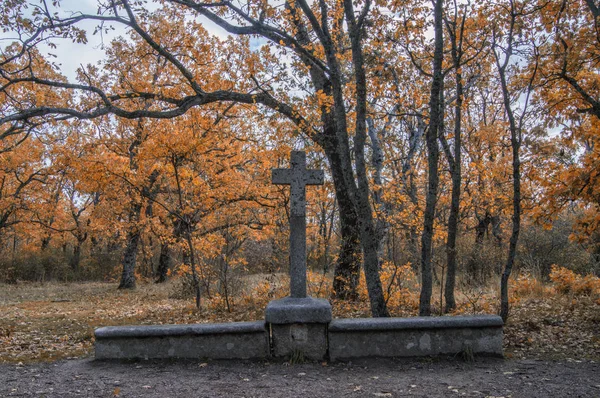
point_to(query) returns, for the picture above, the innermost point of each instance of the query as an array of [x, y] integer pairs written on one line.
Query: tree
[[320, 55], [505, 43], [463, 50], [568, 87], [567, 56], [436, 116], [22, 171]]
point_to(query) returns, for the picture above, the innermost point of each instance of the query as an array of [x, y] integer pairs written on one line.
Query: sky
[[71, 56]]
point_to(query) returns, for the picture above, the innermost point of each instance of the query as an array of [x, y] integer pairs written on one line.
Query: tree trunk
[[356, 224], [382, 225], [408, 179], [595, 252], [134, 233], [516, 225], [412, 236], [192, 256], [368, 232], [456, 170], [164, 263], [131, 248], [46, 242], [76, 258], [515, 143], [129, 260], [332, 141], [496, 231], [326, 226], [347, 267], [453, 221], [480, 228], [431, 138]]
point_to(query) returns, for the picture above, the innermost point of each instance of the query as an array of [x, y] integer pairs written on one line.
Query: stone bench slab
[[243, 340], [420, 322], [111, 332], [413, 337]]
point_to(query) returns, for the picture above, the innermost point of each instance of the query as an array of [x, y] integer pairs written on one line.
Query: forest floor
[[551, 343], [46, 322]]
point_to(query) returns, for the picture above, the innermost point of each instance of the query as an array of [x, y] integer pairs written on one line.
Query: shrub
[[36, 267], [398, 284], [540, 248], [319, 284], [527, 285], [567, 281]]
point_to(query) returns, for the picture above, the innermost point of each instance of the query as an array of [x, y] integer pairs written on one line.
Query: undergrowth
[[559, 319]]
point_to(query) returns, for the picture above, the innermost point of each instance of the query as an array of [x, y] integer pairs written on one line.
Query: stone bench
[[237, 340], [342, 338], [413, 337]]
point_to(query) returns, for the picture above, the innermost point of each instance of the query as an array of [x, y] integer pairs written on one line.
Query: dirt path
[[364, 378]]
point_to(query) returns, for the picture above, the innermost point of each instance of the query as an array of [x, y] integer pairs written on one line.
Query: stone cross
[[298, 177]]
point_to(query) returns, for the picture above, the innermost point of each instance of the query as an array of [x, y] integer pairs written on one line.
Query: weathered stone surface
[[306, 339], [311, 336], [412, 337], [297, 177], [419, 322], [298, 310], [299, 325], [243, 340], [179, 330]]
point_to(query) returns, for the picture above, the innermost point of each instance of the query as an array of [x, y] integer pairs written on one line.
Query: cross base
[[298, 310], [299, 327]]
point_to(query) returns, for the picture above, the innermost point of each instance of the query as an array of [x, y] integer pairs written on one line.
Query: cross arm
[[314, 177], [281, 176]]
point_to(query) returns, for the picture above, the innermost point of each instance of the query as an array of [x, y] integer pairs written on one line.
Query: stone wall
[[414, 337], [237, 340], [340, 339]]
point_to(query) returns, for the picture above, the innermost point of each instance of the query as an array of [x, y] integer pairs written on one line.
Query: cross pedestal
[[298, 323]]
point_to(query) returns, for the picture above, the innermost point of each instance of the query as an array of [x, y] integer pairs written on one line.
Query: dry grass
[[53, 321]]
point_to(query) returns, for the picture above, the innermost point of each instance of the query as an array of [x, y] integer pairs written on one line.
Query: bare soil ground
[[486, 377]]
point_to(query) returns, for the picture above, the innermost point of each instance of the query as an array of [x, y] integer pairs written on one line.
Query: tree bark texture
[[76, 258], [131, 248], [347, 267], [455, 163], [134, 234], [454, 206], [164, 263], [431, 139], [377, 157], [353, 200]]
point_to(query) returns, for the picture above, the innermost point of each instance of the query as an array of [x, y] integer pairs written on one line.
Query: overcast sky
[[71, 56]]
